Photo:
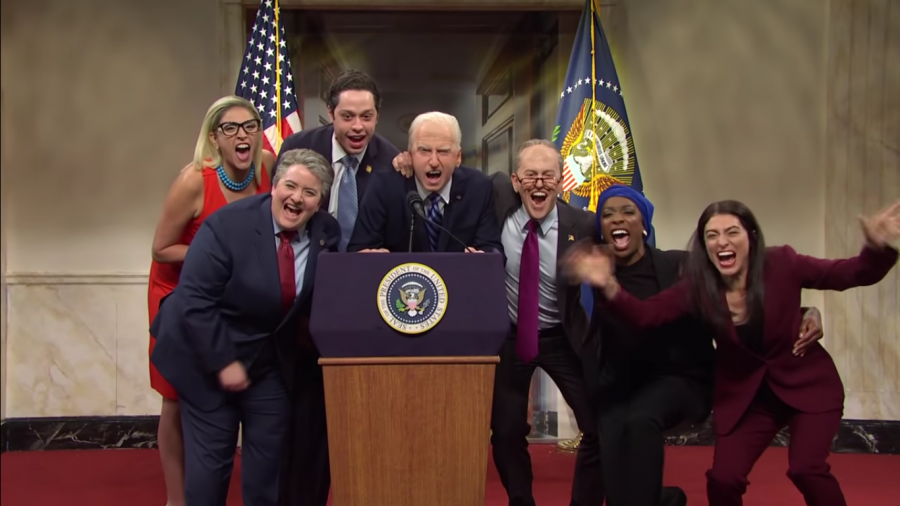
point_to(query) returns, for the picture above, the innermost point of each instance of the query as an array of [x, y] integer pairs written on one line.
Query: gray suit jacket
[[574, 225]]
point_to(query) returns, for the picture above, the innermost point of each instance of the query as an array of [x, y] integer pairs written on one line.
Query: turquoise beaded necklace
[[231, 185]]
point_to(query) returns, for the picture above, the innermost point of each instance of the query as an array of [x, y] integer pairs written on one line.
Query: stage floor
[[133, 478]]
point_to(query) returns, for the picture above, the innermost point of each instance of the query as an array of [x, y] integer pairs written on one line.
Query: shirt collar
[[444, 192], [522, 219], [278, 229], [338, 153]]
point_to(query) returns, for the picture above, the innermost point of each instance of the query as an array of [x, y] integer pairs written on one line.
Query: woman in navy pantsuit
[[750, 296]]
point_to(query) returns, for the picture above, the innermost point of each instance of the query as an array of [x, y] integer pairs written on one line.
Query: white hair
[[436, 117]]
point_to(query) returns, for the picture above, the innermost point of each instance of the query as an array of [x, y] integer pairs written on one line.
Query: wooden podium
[[409, 431], [409, 410]]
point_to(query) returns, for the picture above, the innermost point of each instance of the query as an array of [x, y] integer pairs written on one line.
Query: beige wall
[[862, 173], [4, 131], [728, 99]]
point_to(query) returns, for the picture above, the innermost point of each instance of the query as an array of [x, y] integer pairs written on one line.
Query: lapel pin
[[368, 168], [459, 197], [571, 237], [321, 242]]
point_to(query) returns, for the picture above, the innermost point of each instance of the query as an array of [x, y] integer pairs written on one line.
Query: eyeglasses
[[528, 183], [230, 129]]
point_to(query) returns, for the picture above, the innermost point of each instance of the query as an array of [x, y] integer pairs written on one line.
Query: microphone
[[415, 202], [418, 207]]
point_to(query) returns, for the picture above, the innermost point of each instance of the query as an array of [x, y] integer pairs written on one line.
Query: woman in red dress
[[749, 295], [229, 164]]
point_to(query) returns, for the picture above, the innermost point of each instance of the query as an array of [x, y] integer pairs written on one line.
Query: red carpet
[[133, 478]]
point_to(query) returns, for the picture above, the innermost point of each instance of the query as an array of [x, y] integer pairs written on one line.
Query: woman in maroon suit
[[750, 296]]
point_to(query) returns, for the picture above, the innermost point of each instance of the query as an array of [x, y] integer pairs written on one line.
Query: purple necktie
[[529, 280]]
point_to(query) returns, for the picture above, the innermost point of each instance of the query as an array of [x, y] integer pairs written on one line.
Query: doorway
[[493, 70]]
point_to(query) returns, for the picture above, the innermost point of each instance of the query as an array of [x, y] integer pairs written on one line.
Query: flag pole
[[277, 79], [592, 204]]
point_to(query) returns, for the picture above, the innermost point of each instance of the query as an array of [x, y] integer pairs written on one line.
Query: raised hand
[[883, 228], [403, 163], [587, 263]]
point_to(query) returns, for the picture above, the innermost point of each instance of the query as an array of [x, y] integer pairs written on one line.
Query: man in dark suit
[[455, 198], [227, 336], [350, 144], [548, 322]]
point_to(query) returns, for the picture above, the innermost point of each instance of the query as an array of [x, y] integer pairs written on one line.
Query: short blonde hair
[[437, 117], [205, 153]]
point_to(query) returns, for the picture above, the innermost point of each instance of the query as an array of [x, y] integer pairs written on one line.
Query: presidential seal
[[597, 152], [412, 298]]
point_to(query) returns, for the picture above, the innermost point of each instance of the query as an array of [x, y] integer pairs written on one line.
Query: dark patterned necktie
[[434, 217], [529, 281]]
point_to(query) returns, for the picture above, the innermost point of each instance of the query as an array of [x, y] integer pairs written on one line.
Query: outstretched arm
[[877, 258], [590, 264], [865, 269], [664, 307]]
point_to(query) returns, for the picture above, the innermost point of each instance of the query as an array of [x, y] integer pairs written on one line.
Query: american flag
[[263, 74]]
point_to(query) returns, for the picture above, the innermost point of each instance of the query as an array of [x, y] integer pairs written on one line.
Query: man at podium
[[445, 207]]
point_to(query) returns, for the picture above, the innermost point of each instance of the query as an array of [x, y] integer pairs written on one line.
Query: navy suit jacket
[[379, 155], [384, 215], [227, 304]]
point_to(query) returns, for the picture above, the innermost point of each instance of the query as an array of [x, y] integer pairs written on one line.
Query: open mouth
[[242, 152], [292, 211], [357, 141], [726, 258], [433, 176], [620, 238], [539, 197]]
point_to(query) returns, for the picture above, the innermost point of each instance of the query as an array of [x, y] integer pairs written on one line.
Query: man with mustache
[[456, 198], [350, 144]]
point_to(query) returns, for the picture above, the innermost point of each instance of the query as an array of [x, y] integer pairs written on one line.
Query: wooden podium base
[[409, 431]]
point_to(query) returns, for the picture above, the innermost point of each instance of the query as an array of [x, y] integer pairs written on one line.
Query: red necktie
[[529, 285], [286, 269]]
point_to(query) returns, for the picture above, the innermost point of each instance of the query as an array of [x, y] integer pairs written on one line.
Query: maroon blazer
[[811, 383]]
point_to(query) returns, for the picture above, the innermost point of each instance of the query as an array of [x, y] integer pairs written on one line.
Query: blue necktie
[[348, 203], [434, 217]]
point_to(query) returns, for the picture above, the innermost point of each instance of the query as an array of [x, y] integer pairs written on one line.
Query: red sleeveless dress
[[164, 276]]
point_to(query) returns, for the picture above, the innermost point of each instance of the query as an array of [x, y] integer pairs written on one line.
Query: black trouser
[[306, 478], [632, 423], [510, 428], [209, 439]]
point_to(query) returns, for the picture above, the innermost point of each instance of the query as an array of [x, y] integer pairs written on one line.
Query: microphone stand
[[412, 226]]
